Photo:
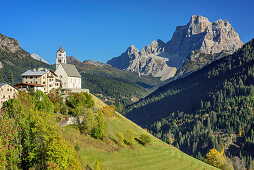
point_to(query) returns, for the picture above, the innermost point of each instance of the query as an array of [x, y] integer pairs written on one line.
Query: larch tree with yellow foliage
[[217, 159]]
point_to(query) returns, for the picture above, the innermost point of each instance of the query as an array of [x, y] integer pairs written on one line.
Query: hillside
[[111, 84], [138, 157], [34, 135], [212, 107], [14, 60]]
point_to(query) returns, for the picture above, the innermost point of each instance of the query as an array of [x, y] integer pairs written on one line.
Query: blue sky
[[102, 29]]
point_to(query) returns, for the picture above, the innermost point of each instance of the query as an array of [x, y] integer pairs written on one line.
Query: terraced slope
[[157, 155]]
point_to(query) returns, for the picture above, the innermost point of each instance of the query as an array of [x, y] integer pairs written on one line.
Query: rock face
[[161, 59], [37, 57], [149, 61], [200, 33], [96, 63], [9, 44]]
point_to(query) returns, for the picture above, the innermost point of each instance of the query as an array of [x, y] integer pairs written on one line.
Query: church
[[65, 77], [67, 73]]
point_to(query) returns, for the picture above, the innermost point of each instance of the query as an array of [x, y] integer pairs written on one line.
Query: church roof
[[61, 49], [71, 70]]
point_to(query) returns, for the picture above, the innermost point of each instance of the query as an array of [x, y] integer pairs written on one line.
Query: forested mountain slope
[[207, 109], [111, 84], [14, 60]]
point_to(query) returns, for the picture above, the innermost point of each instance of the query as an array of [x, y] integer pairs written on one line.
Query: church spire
[[60, 56], [61, 49]]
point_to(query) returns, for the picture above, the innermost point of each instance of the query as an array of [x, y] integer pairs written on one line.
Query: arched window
[[59, 60], [59, 55]]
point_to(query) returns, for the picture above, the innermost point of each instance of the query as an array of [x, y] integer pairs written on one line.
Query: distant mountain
[[162, 60], [14, 60], [112, 84], [209, 108], [37, 57]]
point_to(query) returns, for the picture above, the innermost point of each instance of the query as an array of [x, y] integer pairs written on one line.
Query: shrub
[[128, 137], [98, 165], [120, 138], [145, 139], [99, 132], [87, 124]]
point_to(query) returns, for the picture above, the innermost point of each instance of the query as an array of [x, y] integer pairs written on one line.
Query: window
[[59, 54], [11, 89], [36, 82], [44, 82], [59, 60], [8, 89], [31, 77], [9, 96], [3, 96]]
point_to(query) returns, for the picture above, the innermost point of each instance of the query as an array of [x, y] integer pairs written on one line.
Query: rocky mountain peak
[[161, 43], [9, 44], [197, 24], [37, 57], [132, 49], [162, 59]]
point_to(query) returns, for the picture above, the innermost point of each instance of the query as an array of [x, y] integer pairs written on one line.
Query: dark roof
[[61, 49], [71, 70], [2, 84]]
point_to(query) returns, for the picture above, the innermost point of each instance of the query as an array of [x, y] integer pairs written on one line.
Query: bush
[[87, 124], [99, 132], [98, 165], [128, 137], [80, 99], [145, 139], [120, 138]]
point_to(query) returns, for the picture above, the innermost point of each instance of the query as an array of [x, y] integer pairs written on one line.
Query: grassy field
[[157, 155]]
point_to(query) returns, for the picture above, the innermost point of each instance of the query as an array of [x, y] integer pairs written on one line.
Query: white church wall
[[74, 82], [62, 75]]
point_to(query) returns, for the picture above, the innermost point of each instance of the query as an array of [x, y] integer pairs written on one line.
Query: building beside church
[[6, 92], [30, 87], [65, 77], [67, 73], [41, 76]]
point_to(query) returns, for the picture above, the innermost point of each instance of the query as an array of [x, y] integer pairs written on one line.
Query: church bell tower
[[60, 56]]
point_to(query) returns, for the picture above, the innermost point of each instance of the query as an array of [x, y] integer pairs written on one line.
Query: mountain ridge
[[201, 110], [162, 60]]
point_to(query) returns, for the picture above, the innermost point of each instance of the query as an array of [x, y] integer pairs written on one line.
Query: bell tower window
[[59, 54], [59, 60]]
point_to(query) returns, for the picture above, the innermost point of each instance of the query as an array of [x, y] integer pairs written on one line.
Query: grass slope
[[157, 155]]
